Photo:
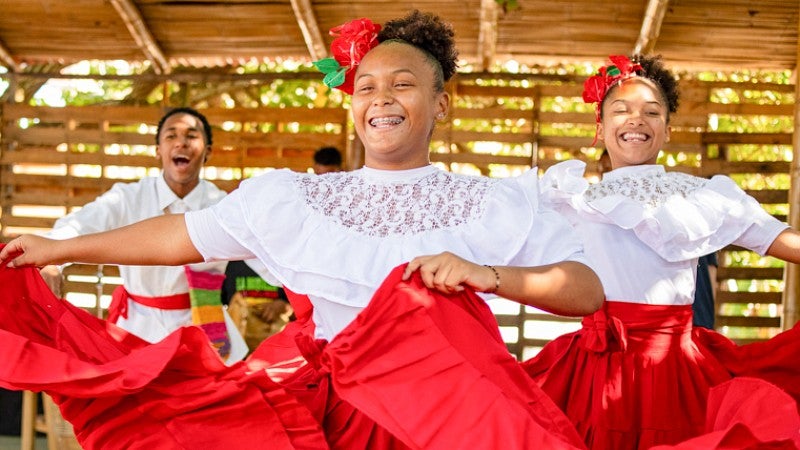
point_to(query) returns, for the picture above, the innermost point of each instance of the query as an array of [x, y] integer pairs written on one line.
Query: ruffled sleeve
[[312, 254], [562, 187], [677, 215], [725, 215]]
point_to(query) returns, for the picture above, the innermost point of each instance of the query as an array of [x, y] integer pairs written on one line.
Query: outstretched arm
[[162, 240], [786, 246], [567, 288]]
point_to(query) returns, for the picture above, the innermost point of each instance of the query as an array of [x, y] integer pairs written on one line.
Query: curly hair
[[429, 33], [653, 69]]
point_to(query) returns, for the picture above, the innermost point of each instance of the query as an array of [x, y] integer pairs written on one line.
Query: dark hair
[[328, 156], [653, 69], [191, 112], [430, 34]]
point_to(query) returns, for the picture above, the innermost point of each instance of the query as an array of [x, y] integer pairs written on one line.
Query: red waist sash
[[120, 296]]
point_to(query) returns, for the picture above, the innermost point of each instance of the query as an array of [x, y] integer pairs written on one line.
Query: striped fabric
[[204, 293]]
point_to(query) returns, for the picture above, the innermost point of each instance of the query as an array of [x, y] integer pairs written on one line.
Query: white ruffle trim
[[311, 254], [679, 228]]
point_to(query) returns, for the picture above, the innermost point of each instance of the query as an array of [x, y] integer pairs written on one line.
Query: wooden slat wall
[[537, 136], [52, 145]]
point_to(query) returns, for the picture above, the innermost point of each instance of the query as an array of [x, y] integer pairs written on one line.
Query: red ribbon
[[603, 333]]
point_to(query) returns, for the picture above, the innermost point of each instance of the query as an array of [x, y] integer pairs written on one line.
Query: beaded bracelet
[[496, 279]]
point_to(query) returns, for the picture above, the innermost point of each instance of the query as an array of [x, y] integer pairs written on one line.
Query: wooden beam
[[791, 275], [141, 34], [307, 21], [7, 59], [487, 36], [651, 26]]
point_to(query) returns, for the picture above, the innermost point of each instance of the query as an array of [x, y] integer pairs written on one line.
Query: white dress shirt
[[127, 203]]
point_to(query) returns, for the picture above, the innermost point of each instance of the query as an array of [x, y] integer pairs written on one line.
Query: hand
[[272, 311], [54, 279], [28, 250], [449, 273]]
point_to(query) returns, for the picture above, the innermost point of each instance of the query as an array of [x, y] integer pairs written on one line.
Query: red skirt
[[434, 371], [636, 376], [119, 392], [415, 370]]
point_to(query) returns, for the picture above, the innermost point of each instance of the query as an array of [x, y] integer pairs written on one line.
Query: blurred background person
[[327, 159]]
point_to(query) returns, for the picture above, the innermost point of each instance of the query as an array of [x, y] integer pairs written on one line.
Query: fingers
[[445, 279], [412, 266], [444, 272], [28, 250], [273, 311], [10, 253]]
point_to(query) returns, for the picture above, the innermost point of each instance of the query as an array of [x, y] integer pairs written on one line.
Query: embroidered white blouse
[[644, 228], [335, 237]]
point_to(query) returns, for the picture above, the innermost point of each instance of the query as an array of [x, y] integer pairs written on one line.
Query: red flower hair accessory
[[353, 40], [596, 87]]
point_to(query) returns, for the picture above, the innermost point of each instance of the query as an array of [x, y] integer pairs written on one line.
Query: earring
[[440, 116]]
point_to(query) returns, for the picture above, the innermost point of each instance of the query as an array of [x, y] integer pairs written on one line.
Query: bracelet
[[496, 279]]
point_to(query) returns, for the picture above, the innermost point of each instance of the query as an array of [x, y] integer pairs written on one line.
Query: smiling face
[[635, 123], [183, 151], [395, 106]]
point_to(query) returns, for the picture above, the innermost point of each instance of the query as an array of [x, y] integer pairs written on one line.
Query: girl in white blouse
[[637, 374], [394, 364]]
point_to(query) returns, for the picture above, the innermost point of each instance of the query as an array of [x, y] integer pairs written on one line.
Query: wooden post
[[791, 274], [28, 434]]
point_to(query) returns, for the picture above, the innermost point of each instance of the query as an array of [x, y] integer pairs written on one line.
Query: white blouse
[[644, 228], [335, 237]]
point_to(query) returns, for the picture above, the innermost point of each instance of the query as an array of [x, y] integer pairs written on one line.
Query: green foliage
[[745, 76], [508, 5], [748, 124], [82, 92]]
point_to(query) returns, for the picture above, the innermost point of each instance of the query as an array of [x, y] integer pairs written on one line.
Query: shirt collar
[[166, 196]]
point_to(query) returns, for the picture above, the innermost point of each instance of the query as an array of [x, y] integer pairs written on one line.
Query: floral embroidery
[[650, 190], [437, 201]]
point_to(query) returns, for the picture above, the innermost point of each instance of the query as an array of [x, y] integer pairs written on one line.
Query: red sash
[[119, 302]]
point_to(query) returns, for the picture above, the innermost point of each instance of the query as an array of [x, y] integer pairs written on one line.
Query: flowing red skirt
[[636, 376], [415, 370], [119, 392]]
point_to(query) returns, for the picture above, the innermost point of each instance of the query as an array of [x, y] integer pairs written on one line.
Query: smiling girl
[[637, 374], [391, 363]]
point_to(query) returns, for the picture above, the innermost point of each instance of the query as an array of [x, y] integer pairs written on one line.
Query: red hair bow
[[353, 40]]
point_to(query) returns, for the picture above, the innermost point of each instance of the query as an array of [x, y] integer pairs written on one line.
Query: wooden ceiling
[[186, 35]]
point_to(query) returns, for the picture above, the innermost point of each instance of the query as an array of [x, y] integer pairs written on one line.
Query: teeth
[[634, 137], [383, 121]]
